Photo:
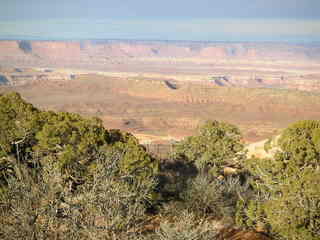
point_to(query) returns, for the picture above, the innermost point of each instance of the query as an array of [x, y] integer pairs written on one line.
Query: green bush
[[18, 124], [295, 213], [136, 160], [300, 145], [287, 187], [218, 144], [73, 142]]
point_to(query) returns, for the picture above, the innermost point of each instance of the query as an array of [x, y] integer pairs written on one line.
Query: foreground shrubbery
[[63, 176], [287, 199], [112, 205], [36, 137], [216, 146]]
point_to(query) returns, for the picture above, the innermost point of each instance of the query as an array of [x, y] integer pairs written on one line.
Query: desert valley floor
[[161, 91]]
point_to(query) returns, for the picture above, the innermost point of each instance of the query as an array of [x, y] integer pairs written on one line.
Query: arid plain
[[161, 91]]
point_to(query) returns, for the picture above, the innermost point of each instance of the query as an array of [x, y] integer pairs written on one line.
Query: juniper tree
[[287, 186]]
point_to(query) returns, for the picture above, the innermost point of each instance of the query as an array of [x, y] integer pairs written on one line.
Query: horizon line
[[155, 40]]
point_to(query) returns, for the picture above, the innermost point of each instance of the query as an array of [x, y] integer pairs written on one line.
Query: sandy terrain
[[151, 108]]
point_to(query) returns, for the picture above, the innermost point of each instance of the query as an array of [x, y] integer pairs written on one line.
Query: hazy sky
[[223, 20]]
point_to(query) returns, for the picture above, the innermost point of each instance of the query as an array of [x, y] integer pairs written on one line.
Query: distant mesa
[[83, 49], [213, 63]]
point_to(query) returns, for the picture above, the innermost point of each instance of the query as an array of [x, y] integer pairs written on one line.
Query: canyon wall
[[276, 65], [102, 51]]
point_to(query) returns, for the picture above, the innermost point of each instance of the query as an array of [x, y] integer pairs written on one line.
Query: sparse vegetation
[[63, 176], [187, 227], [217, 145], [287, 199]]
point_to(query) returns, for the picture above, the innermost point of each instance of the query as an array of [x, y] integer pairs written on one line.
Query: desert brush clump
[[215, 198], [112, 205], [186, 227], [217, 144], [73, 142], [287, 199], [19, 123]]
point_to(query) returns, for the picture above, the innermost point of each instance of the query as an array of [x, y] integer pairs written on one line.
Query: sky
[[198, 20]]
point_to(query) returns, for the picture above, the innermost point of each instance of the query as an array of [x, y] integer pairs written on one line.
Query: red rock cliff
[[74, 52]]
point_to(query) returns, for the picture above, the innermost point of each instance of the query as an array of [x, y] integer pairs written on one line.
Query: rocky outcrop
[[24, 76], [56, 50], [3, 80], [217, 64]]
